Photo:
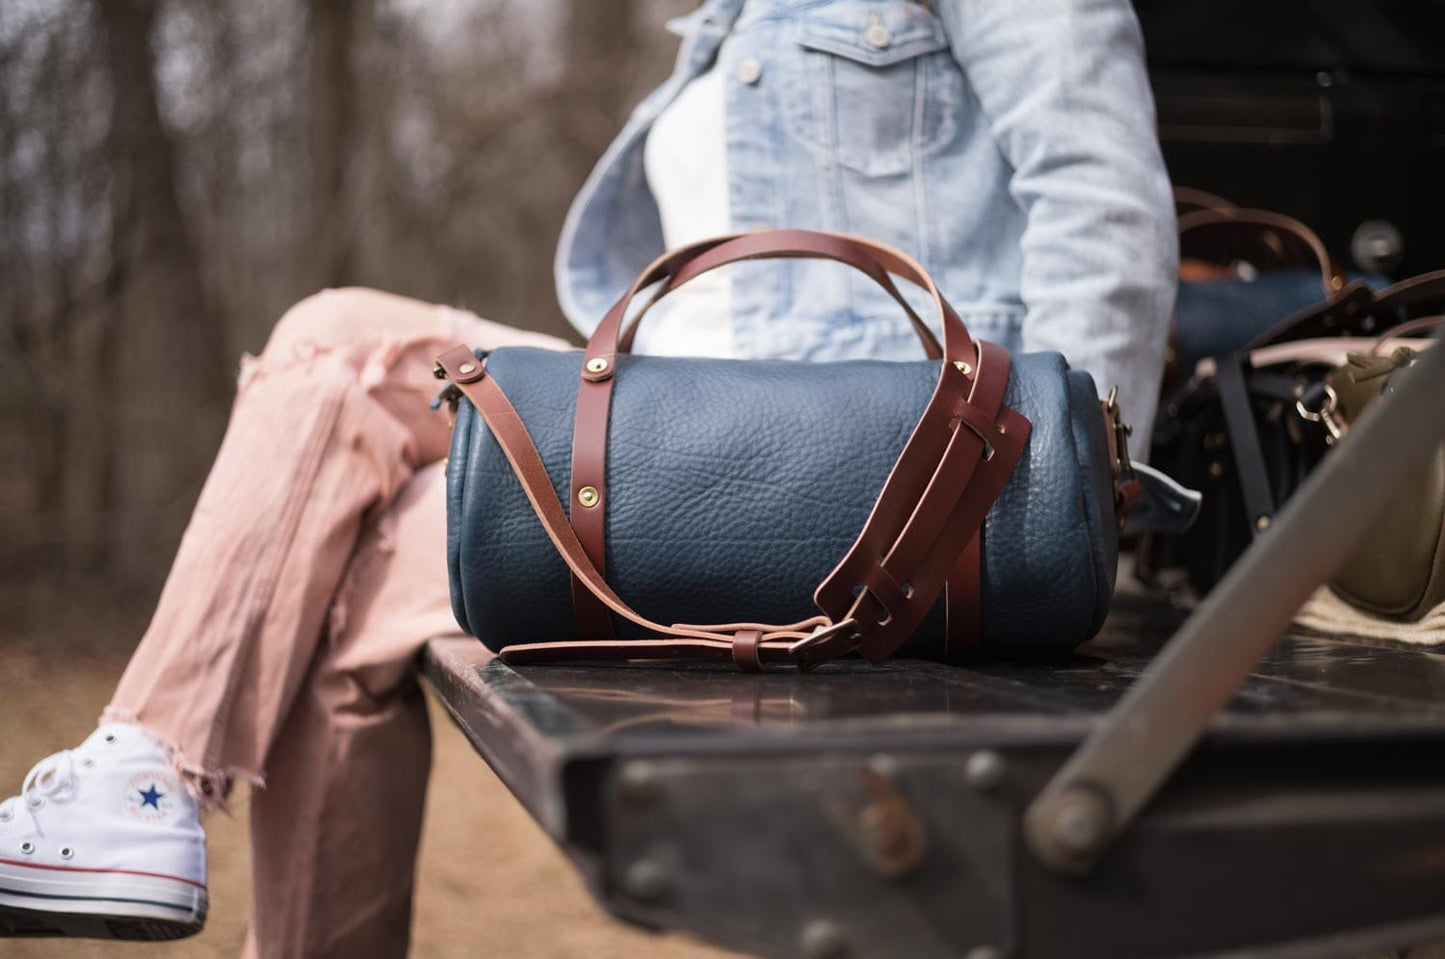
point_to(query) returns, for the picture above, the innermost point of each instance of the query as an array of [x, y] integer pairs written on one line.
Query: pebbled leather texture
[[736, 486]]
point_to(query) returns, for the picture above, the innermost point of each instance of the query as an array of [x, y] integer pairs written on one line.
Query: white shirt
[[685, 160]]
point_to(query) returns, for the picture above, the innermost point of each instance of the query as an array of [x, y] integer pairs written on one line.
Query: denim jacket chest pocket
[[875, 85]]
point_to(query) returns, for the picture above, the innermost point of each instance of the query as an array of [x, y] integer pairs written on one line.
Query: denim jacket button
[[750, 71], [877, 35]]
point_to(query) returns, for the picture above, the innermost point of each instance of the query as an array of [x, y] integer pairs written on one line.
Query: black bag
[[1249, 426]]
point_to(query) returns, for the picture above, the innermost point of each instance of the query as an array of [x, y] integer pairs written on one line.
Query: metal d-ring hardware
[[1325, 414], [1122, 430]]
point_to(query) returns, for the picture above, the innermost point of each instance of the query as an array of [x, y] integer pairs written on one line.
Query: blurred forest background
[[175, 173]]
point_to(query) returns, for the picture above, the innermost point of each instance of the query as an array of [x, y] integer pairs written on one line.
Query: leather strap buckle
[[1127, 488], [827, 643], [1122, 432]]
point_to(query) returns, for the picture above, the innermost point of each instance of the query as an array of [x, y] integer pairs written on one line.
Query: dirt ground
[[525, 902]]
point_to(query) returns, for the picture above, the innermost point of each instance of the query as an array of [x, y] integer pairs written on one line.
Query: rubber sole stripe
[[141, 902], [51, 867]]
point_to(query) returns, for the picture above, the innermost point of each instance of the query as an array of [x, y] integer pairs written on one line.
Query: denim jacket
[[1009, 145]]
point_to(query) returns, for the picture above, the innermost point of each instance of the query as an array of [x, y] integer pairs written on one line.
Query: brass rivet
[[599, 365], [1262, 523], [963, 367], [1216, 470], [466, 368], [587, 496]]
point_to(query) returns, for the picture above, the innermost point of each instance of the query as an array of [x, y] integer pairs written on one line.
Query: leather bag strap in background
[[1244, 443], [1357, 310], [1264, 228]]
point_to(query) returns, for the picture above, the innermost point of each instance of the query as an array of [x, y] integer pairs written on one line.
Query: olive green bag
[[1398, 571]]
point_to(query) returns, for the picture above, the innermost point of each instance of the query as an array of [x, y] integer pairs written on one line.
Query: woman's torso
[[852, 116], [845, 115]]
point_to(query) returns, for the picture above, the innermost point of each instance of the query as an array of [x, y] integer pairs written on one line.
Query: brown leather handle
[[1196, 199], [869, 256], [590, 491], [823, 247], [1258, 225]]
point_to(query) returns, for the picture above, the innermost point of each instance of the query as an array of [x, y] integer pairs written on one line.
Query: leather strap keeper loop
[[745, 650], [886, 590]]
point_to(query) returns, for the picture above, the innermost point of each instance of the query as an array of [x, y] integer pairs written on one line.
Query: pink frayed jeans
[[285, 644]]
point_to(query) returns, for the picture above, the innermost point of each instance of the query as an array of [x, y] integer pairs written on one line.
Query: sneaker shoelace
[[51, 779]]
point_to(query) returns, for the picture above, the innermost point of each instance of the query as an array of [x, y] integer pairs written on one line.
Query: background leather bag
[[734, 492], [1398, 571], [1250, 425], [1243, 274]]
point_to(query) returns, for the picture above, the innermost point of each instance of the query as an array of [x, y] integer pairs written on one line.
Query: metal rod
[[1118, 769]]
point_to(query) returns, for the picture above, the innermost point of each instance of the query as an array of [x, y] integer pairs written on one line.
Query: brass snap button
[[598, 365]]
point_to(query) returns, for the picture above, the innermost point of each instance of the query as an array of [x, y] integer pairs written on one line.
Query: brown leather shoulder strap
[[588, 507], [951, 507], [521, 453], [923, 530]]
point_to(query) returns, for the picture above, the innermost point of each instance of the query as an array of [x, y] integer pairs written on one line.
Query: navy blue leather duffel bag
[[965, 503]]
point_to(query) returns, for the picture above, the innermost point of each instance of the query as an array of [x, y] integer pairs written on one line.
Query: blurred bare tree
[[175, 173]]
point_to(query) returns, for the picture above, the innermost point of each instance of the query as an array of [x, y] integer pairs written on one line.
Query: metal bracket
[[1123, 763]]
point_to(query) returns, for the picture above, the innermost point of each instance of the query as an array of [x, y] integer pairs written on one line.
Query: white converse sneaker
[[103, 842]]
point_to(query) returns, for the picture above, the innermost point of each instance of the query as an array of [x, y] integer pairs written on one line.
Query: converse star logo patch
[[151, 797]]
